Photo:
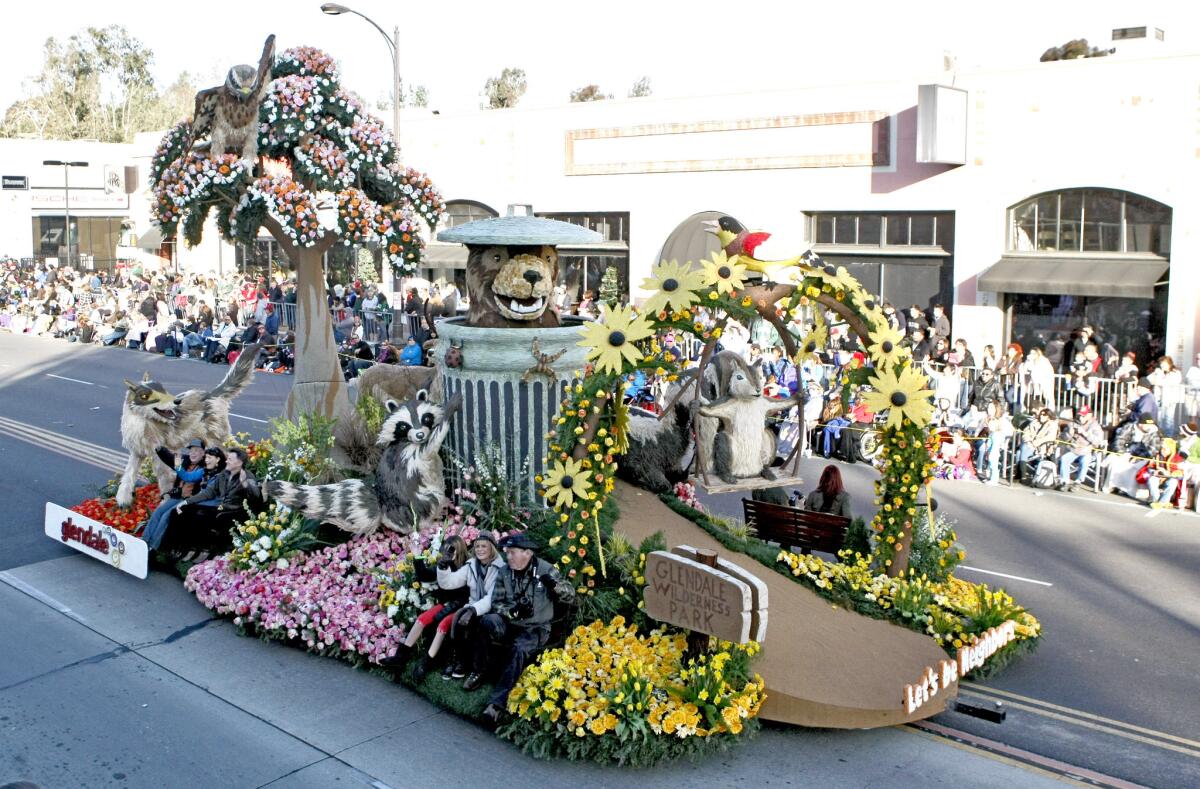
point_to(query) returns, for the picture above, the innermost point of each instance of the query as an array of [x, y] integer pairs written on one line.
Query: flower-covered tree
[[328, 172]]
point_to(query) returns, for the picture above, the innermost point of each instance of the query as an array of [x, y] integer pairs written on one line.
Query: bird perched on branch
[[736, 240], [228, 113]]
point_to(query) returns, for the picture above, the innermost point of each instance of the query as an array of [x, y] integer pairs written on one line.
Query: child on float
[[189, 476], [450, 594], [482, 570]]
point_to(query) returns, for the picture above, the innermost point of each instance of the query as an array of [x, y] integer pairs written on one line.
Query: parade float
[[686, 630]]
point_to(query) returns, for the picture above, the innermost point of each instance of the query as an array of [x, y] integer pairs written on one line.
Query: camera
[[522, 610]]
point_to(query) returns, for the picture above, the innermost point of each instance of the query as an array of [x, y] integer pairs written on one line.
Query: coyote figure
[[408, 486], [152, 417]]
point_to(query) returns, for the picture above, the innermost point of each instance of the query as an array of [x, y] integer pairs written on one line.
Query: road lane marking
[[1005, 575], [1016, 756], [251, 418], [43, 436], [72, 380], [978, 689]]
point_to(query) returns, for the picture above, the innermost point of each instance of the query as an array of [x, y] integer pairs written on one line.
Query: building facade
[[1030, 202]]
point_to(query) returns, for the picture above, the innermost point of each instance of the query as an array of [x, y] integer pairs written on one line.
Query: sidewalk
[[114, 681]]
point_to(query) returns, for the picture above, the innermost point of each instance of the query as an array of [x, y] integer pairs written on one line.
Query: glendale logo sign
[[97, 540]]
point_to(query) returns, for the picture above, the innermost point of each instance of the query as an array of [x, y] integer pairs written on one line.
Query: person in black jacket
[[450, 594], [203, 528], [985, 389]]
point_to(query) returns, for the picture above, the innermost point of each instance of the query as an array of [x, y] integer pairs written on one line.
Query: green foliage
[[634, 749], [610, 287], [96, 85], [496, 496], [935, 552], [589, 93], [302, 450], [505, 90], [993, 608], [858, 538]]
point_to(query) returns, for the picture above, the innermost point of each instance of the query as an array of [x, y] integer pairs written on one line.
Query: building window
[[1090, 220], [460, 212], [93, 242], [1123, 33], [582, 268], [881, 229]]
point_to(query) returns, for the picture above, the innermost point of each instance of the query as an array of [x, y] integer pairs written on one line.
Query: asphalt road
[[1113, 688]]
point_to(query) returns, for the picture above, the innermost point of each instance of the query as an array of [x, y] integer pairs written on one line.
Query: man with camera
[[518, 626]]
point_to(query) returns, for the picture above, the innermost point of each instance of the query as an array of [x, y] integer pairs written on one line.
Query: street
[[114, 681]]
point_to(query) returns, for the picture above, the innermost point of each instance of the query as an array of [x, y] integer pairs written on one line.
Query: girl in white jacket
[[482, 571]]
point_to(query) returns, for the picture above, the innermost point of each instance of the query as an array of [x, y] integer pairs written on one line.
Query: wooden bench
[[797, 529]]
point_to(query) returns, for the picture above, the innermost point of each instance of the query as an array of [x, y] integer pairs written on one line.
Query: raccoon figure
[[408, 487]]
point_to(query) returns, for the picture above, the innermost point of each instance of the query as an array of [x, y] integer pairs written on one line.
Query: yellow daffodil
[[813, 343], [671, 285], [723, 274], [885, 348], [565, 482], [903, 396], [610, 340]]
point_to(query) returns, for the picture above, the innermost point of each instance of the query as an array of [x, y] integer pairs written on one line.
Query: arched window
[[1090, 220], [459, 212]]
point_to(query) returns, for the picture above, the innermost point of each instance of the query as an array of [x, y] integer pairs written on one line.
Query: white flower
[[262, 556], [282, 564]]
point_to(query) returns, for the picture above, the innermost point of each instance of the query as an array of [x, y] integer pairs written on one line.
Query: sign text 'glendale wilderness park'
[[721, 599]]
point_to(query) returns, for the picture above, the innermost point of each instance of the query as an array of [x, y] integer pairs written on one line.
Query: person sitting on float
[[189, 476], [482, 570], [830, 496], [518, 626], [450, 594], [234, 490]]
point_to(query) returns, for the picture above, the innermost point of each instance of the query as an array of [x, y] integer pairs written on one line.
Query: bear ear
[[392, 406], [422, 395]]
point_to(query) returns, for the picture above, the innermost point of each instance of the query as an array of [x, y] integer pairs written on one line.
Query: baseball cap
[[195, 442], [1084, 410]]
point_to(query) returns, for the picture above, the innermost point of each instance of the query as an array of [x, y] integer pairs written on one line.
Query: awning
[[1124, 277], [151, 240], [438, 255]]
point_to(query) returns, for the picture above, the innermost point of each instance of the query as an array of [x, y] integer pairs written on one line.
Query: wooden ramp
[[823, 666]]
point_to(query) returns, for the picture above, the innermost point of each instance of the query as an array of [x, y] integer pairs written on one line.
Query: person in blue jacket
[[189, 478], [411, 355]]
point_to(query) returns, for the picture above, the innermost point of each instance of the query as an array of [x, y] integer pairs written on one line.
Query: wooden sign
[[758, 589], [688, 594]]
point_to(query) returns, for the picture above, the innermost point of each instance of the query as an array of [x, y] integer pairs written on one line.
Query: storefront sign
[[98, 540], [688, 594], [947, 672], [14, 181]]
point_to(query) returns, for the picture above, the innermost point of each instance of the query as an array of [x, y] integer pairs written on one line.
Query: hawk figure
[[228, 114]]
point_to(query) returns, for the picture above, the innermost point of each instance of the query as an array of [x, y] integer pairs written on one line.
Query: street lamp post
[[66, 195], [393, 42]]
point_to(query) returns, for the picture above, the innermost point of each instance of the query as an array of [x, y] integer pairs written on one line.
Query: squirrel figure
[[742, 447]]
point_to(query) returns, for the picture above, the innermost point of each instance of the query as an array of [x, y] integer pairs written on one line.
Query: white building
[[1066, 193]]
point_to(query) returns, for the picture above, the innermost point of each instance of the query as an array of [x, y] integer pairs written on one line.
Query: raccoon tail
[[238, 377], [350, 505]]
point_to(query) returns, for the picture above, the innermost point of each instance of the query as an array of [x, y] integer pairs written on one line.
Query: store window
[[595, 267], [460, 212], [1090, 220], [92, 244]]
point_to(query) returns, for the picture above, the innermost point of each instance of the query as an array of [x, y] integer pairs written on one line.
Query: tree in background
[[410, 96], [640, 88], [505, 90], [610, 288], [589, 93], [331, 175], [96, 86], [1076, 48]]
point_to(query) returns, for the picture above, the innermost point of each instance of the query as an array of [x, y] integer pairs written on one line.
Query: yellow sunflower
[[838, 278], [725, 275], [814, 342], [565, 482], [610, 340], [885, 348], [903, 396], [672, 285]]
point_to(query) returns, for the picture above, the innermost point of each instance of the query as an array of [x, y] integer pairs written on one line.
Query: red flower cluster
[[145, 499]]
